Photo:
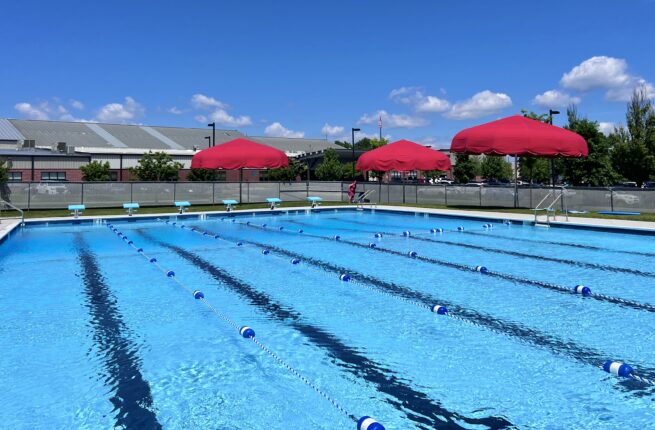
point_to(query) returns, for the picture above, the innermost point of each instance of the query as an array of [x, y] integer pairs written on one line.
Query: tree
[[634, 148], [4, 179], [465, 168], [204, 175], [330, 169], [95, 171], [596, 170], [534, 170], [289, 173], [156, 166], [495, 168]]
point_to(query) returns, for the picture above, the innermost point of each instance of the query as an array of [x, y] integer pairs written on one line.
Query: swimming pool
[[95, 335]]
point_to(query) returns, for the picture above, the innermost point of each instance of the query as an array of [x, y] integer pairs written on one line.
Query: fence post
[[248, 191], [611, 199], [131, 192], [174, 191], [445, 194], [279, 190], [29, 195], [480, 195], [82, 194]]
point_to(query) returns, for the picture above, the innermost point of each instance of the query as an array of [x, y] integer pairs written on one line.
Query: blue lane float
[[487, 226], [412, 254], [295, 261], [337, 237], [239, 243], [618, 368], [407, 233], [344, 277], [170, 274], [247, 332], [368, 423], [581, 289], [460, 228], [378, 235], [440, 310], [266, 251], [372, 245], [153, 260], [481, 269], [198, 295], [436, 230]]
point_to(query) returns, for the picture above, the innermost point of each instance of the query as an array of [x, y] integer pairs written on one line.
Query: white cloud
[[120, 112], [435, 142], [31, 111], [174, 110], [331, 130], [76, 104], [481, 104], [606, 127], [201, 101], [607, 73], [405, 95], [220, 116], [200, 118], [432, 104], [555, 99], [278, 130], [597, 72], [422, 103], [624, 93], [393, 120]]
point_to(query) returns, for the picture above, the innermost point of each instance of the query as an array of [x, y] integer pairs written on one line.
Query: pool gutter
[[610, 225]]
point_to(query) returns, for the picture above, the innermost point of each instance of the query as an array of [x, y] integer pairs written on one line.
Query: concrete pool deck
[[7, 225]]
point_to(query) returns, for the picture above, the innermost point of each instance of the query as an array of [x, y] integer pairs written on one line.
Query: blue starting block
[[76, 210], [274, 201], [131, 208], [229, 204], [182, 206], [315, 201]]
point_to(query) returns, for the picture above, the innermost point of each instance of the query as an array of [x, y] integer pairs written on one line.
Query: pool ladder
[[4, 203], [549, 208]]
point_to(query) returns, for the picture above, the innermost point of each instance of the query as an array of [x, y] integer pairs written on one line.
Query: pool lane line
[[480, 269], [416, 405], [426, 301], [486, 232], [488, 249], [132, 398], [249, 334]]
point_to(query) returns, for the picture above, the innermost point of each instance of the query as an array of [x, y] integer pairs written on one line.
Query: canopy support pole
[[241, 185], [516, 183]]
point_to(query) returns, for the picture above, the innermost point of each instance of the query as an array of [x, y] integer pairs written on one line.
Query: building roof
[[120, 137], [12, 153]]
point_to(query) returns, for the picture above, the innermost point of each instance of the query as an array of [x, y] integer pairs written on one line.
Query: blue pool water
[[93, 335]]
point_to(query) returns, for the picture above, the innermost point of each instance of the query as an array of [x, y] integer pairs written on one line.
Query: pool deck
[[7, 225]]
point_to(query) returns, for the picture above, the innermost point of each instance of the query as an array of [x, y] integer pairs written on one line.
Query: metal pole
[[240, 185], [353, 150], [516, 183]]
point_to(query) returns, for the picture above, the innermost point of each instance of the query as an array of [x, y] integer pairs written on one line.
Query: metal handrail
[[537, 208], [549, 208], [22, 214]]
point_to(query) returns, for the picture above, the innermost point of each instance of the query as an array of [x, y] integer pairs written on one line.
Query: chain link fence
[[58, 195]]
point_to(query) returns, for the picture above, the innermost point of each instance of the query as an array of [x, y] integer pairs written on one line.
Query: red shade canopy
[[518, 135], [239, 154], [403, 156]]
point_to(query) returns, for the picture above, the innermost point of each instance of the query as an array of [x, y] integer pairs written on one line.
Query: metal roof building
[[114, 138]]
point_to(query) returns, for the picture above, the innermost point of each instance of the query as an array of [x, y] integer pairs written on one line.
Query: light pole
[[209, 141], [213, 126], [552, 160], [353, 147]]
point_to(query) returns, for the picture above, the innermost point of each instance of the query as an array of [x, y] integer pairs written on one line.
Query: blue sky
[[429, 68]]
